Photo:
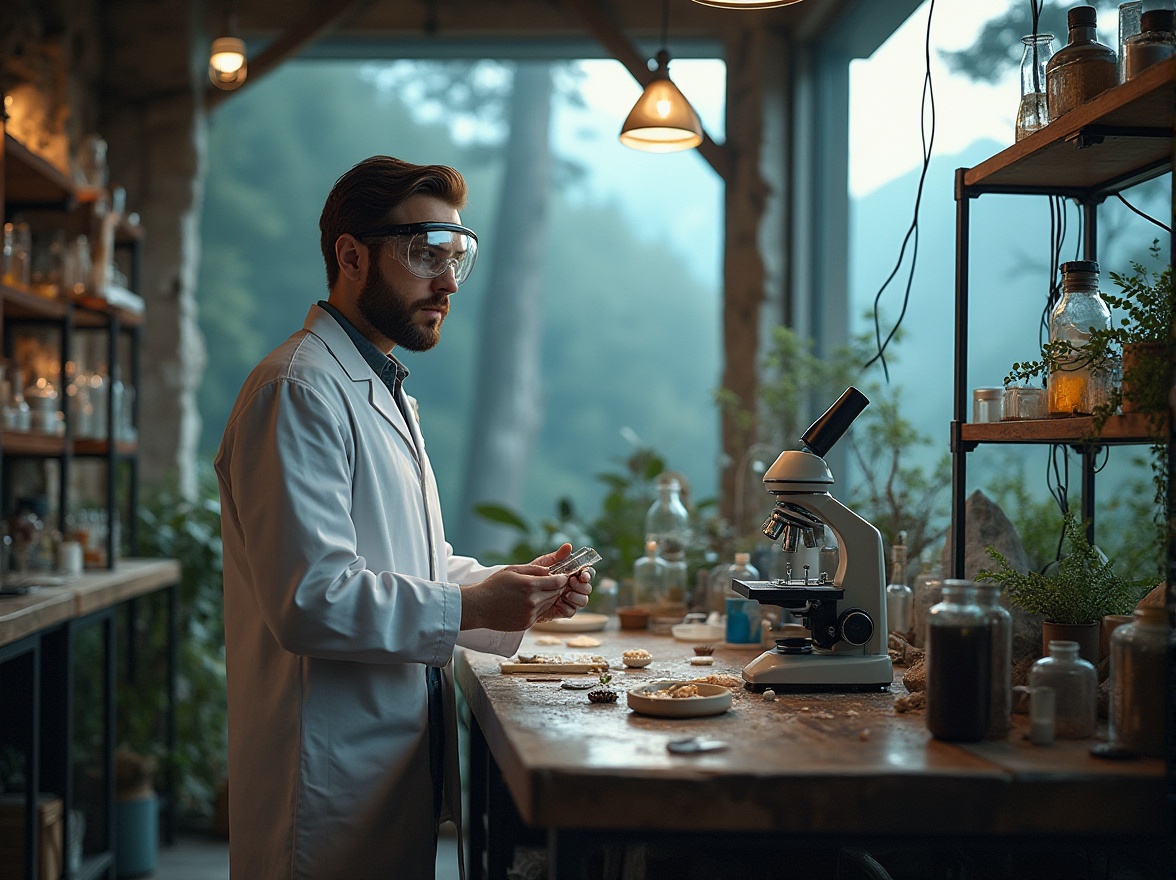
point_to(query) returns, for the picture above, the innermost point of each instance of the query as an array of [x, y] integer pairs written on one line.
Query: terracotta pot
[[1109, 624], [1140, 361], [1085, 634]]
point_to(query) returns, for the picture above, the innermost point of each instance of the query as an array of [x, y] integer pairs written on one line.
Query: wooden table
[[824, 770]]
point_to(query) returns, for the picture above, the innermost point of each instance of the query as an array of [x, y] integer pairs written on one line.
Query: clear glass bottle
[[1033, 114], [1154, 43], [667, 524], [1075, 685], [899, 596], [959, 666], [1080, 310], [721, 577], [648, 576], [1082, 68], [1000, 624], [1139, 658], [928, 590]]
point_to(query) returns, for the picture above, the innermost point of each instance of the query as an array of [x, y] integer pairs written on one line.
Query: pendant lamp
[[662, 120], [227, 67], [746, 4]]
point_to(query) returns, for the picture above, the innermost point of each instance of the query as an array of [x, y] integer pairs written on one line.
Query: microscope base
[[819, 672]]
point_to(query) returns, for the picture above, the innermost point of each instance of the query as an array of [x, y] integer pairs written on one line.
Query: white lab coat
[[339, 589]]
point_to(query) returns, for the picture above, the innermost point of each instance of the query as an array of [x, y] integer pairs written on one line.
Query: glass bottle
[[721, 577], [667, 524], [1080, 310], [1154, 43], [1033, 114], [1139, 652], [1082, 68], [1075, 685], [899, 596], [928, 591], [959, 666], [648, 576], [1000, 624]]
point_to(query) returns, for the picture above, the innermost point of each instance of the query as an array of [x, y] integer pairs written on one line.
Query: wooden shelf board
[[31, 443], [23, 304], [93, 311], [1129, 428], [85, 446], [30, 179], [1044, 162]]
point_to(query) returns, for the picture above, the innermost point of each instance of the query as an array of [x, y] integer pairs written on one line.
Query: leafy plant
[[1081, 589], [1146, 301]]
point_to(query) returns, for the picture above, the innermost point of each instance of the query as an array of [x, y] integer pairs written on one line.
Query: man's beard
[[390, 313]]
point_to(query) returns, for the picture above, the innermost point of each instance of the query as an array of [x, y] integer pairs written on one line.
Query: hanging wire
[[665, 40], [926, 111], [1147, 217], [1057, 479]]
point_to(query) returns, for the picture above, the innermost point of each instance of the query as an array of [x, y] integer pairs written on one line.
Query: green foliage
[[188, 530], [1146, 302], [1081, 589], [605, 678]]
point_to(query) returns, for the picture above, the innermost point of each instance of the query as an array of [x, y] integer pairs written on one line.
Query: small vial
[[1042, 714]]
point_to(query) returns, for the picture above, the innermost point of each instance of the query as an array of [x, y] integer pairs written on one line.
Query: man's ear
[[352, 256]]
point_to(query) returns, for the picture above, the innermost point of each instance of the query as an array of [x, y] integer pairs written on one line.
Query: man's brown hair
[[367, 196]]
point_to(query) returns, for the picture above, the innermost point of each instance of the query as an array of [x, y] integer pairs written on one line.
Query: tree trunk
[[508, 404]]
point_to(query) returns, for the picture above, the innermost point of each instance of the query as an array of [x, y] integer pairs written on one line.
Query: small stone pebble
[[702, 661], [769, 695], [864, 734]]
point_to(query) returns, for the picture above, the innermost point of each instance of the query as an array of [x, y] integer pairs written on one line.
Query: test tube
[[1042, 713]]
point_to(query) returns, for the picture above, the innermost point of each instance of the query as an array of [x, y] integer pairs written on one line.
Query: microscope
[[844, 616]]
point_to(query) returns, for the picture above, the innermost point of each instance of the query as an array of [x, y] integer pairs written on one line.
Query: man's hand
[[577, 588]]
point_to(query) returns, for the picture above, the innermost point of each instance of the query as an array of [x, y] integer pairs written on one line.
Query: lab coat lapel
[[326, 328]]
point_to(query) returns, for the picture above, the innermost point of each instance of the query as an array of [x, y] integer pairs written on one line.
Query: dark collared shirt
[[393, 373]]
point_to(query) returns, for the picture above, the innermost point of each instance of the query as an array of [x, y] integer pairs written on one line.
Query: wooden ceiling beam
[[622, 49], [322, 18]]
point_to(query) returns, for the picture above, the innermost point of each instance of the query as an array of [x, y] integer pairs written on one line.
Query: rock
[[987, 526], [915, 678]]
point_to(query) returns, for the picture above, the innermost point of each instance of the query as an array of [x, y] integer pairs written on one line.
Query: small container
[[1080, 310], [1130, 24], [17, 266], [1075, 685], [743, 622], [1156, 42], [1042, 715], [1021, 402], [633, 618], [986, 404], [1139, 659], [959, 666], [1001, 633]]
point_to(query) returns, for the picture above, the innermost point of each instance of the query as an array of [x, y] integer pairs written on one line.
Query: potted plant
[[1144, 334], [1074, 596]]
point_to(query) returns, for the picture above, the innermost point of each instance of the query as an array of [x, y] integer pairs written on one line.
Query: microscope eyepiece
[[827, 430]]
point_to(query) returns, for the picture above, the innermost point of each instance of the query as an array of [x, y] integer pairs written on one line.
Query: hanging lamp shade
[[662, 120], [227, 67], [746, 4]]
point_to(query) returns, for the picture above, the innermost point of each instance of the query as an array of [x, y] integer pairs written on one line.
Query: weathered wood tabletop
[[809, 763]]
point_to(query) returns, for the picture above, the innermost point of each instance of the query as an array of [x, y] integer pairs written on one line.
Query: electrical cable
[[926, 110], [1058, 483], [1147, 217]]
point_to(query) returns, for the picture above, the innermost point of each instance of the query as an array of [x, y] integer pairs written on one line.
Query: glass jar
[[986, 404], [1001, 633], [1022, 402], [1154, 43], [959, 666], [928, 590], [1033, 114], [648, 576], [1139, 656], [1080, 310], [719, 587], [1075, 685], [1130, 22], [1082, 68]]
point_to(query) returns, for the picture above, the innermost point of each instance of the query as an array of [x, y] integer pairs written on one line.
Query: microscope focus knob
[[855, 626]]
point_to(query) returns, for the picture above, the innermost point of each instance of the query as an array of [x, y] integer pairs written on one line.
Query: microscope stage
[[787, 593]]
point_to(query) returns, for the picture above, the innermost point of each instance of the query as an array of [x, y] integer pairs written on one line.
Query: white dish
[[699, 632], [583, 622], [712, 699]]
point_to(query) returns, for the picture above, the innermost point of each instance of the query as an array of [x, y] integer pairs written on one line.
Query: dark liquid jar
[[959, 666]]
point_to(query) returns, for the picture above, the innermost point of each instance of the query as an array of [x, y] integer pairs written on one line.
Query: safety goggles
[[430, 249]]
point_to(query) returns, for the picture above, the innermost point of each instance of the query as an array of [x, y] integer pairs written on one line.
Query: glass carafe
[[1033, 114], [899, 596], [667, 524], [1071, 386]]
